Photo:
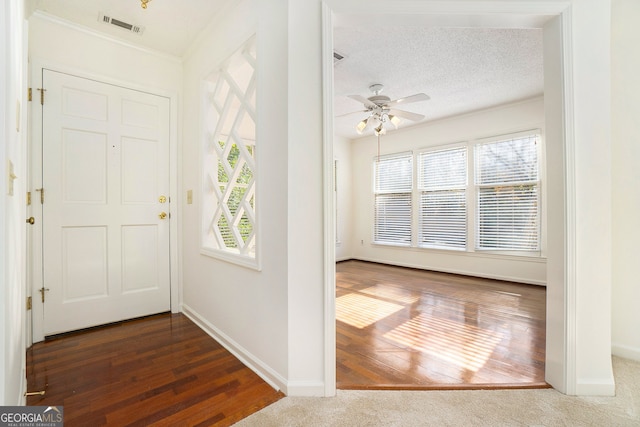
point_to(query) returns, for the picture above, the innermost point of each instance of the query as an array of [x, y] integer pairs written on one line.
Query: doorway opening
[[342, 244]]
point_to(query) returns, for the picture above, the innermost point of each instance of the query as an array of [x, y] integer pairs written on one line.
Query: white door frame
[[564, 378], [35, 161]]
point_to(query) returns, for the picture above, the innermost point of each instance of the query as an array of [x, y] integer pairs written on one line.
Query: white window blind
[[442, 182], [508, 195], [393, 184]]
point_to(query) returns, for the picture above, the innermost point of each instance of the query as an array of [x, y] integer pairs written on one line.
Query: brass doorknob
[[162, 215], [31, 220]]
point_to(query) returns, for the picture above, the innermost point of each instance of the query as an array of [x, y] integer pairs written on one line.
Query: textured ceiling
[[461, 69], [171, 26]]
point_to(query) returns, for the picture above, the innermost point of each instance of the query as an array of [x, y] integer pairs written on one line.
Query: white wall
[[591, 226], [245, 309], [556, 206], [12, 207], [305, 156], [625, 111], [66, 47], [344, 199], [521, 116]]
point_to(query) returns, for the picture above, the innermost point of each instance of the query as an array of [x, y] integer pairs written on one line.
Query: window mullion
[[415, 203], [472, 217]]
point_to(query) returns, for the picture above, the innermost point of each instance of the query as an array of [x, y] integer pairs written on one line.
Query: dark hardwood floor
[[396, 328], [411, 329], [161, 370]]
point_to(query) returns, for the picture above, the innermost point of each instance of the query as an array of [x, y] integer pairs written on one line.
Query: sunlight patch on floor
[[466, 346], [391, 293], [361, 311]]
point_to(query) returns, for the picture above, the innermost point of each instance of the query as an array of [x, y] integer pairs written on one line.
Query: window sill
[[232, 258], [535, 257], [394, 245]]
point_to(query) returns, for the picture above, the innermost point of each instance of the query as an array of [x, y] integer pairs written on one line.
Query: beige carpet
[[461, 408]]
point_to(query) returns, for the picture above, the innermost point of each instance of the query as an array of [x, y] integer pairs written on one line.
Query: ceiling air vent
[[136, 29]]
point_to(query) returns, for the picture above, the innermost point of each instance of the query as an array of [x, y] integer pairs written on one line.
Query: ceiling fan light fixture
[[144, 3], [381, 110], [362, 125]]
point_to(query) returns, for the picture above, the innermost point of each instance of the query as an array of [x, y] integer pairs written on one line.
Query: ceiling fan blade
[[353, 112], [363, 100], [413, 98], [406, 115]]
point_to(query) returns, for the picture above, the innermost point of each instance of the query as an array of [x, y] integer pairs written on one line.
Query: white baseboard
[[456, 271], [625, 351], [274, 379], [607, 388], [305, 389]]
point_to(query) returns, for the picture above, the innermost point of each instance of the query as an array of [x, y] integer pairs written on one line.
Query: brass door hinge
[[42, 290], [42, 91], [29, 94], [29, 303]]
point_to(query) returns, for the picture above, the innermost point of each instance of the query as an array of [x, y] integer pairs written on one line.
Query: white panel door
[[105, 172]]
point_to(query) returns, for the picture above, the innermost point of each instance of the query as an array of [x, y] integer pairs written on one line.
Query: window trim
[[252, 261], [471, 199], [400, 155], [420, 191], [540, 162]]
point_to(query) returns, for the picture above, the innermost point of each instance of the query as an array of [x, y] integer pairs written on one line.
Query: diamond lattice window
[[229, 209]]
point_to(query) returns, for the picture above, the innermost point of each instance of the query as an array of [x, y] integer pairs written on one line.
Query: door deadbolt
[[31, 220]]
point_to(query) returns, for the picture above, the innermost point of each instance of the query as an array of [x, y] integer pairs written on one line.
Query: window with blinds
[[508, 194], [393, 186], [442, 182]]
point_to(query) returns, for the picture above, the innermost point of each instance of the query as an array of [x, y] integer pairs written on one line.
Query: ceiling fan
[[382, 109]]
